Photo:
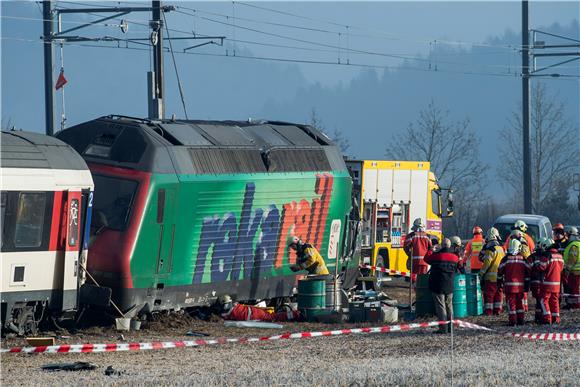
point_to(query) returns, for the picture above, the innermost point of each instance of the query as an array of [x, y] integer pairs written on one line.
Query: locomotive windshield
[[113, 202]]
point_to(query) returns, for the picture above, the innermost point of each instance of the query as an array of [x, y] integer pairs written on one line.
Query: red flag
[[61, 81]]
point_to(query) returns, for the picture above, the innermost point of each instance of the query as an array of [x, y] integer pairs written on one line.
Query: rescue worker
[[457, 248], [492, 254], [417, 245], [572, 269], [241, 312], [519, 229], [559, 236], [514, 275], [441, 280], [525, 251], [536, 277], [307, 258], [472, 249], [551, 265]]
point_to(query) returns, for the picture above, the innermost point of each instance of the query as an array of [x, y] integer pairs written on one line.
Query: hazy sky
[[307, 31]]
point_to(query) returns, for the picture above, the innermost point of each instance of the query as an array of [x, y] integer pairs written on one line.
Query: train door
[[166, 222], [71, 241]]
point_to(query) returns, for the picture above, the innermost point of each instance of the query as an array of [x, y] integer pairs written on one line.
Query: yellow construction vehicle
[[391, 194]]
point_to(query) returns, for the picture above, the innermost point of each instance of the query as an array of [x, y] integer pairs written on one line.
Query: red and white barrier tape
[[94, 348], [465, 324], [548, 336], [388, 271]]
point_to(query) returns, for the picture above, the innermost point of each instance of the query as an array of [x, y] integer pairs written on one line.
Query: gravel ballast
[[415, 358]]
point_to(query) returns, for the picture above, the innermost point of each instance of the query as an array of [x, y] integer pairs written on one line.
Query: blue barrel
[[423, 299], [474, 296], [312, 297], [459, 296]]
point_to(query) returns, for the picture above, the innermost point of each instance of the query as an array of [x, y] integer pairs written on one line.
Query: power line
[[286, 60], [291, 14], [358, 51]]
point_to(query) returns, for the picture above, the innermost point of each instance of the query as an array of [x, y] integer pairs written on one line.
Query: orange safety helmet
[[558, 227], [477, 230]]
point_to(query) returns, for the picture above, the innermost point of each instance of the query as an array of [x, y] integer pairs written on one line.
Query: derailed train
[[185, 211], [46, 197]]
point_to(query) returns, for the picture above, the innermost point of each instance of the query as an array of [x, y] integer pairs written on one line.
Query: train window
[[113, 202], [18, 274], [29, 219], [73, 222]]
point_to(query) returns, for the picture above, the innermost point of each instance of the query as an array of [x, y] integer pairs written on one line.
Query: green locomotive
[[186, 211]]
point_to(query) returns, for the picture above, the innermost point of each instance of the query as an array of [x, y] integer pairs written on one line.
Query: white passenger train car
[[46, 197]]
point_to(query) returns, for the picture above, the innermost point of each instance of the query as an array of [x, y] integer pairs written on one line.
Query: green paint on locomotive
[[212, 228]]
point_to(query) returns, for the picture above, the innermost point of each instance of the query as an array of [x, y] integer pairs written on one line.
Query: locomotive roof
[[34, 150], [200, 146]]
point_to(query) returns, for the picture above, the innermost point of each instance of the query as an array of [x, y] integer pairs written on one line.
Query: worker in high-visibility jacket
[[492, 254], [551, 264], [514, 275], [472, 249], [572, 269], [307, 258], [417, 245], [519, 230]]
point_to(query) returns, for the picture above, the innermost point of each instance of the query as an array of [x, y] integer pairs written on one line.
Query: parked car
[[538, 226]]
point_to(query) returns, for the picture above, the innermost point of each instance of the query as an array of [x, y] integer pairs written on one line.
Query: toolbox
[[364, 311]]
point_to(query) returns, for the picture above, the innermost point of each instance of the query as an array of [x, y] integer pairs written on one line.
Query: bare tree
[[555, 150], [337, 136], [452, 149]]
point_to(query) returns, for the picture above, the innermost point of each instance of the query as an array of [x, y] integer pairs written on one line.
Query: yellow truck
[[390, 195]]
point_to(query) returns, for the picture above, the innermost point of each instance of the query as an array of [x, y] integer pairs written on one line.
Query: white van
[[538, 226]]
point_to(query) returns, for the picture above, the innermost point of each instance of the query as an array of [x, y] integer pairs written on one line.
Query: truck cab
[[391, 194]]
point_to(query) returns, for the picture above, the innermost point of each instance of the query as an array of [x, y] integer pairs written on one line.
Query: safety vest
[[472, 250], [572, 257]]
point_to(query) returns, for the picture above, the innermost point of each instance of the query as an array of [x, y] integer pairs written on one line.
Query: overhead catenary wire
[[384, 33], [327, 45], [305, 61]]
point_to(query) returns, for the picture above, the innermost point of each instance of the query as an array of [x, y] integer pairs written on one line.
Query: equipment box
[[361, 311]]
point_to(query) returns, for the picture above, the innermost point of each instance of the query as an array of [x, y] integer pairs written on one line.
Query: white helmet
[[446, 243], [520, 225], [545, 243], [418, 223], [493, 235], [293, 240], [455, 241], [514, 247], [572, 231]]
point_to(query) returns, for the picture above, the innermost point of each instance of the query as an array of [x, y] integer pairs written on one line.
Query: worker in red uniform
[[492, 254], [551, 264], [472, 249], [417, 246], [536, 277], [518, 230], [514, 275], [241, 312]]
